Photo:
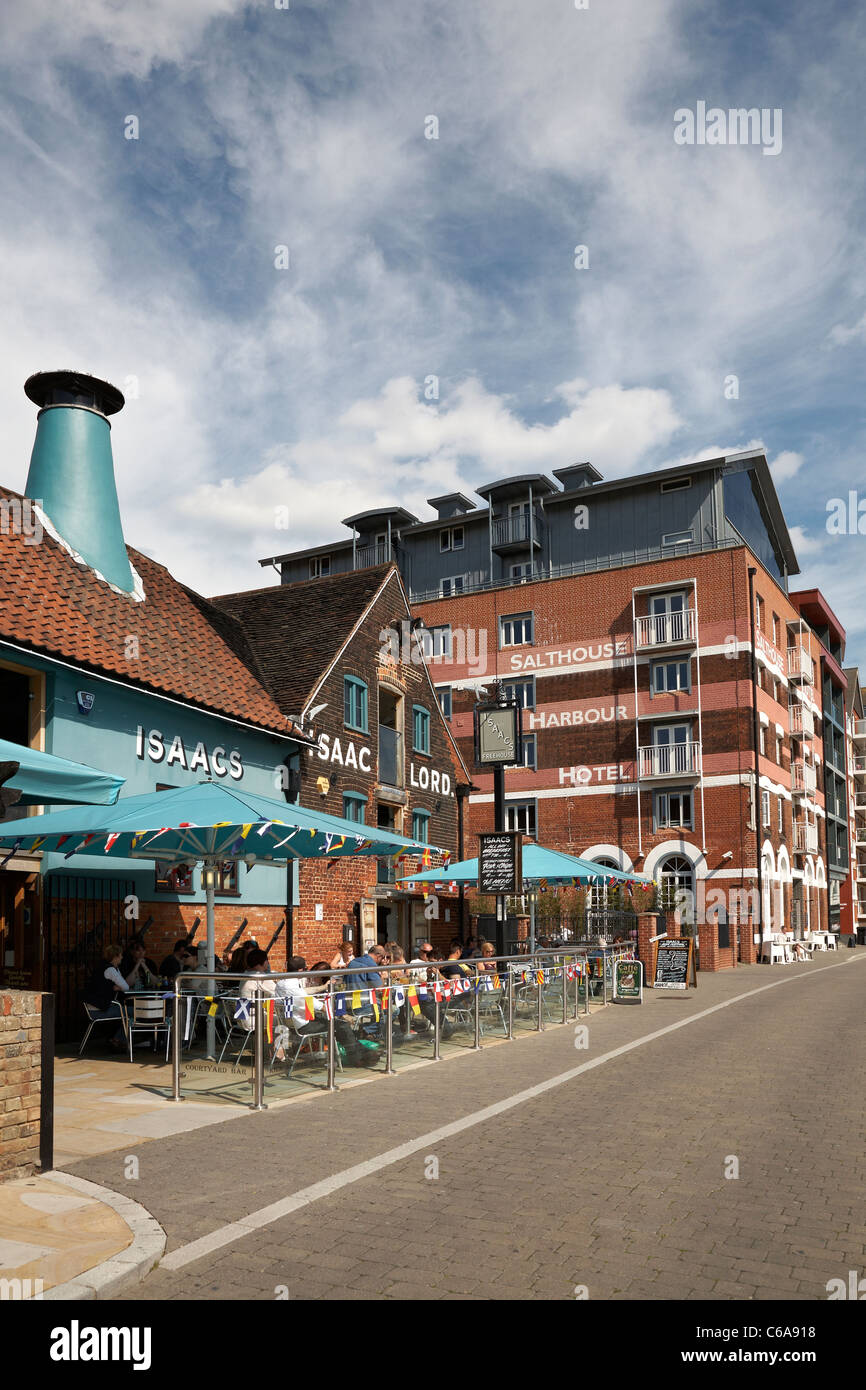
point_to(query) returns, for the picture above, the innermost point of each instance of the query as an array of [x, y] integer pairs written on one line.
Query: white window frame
[[530, 742], [683, 537], [445, 694], [448, 539], [525, 620], [661, 809], [316, 564], [766, 818], [456, 584], [529, 682], [512, 816], [662, 665]]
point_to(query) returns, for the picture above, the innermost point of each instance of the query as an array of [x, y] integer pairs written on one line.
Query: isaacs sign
[[345, 753], [217, 761]]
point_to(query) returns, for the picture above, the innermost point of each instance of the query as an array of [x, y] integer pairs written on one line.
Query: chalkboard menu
[[675, 964], [500, 868]]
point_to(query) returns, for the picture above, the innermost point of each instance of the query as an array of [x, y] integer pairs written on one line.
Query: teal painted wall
[[108, 738]]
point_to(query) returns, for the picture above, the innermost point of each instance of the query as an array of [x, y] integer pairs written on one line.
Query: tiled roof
[[186, 648], [297, 629]]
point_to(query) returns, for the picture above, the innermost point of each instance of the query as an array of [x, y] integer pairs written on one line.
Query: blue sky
[[251, 388]]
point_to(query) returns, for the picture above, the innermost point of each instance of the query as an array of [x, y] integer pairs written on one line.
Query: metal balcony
[[858, 765], [805, 838], [859, 728], [380, 554], [860, 836], [667, 629], [670, 760], [515, 532], [803, 778], [800, 665], [801, 722]]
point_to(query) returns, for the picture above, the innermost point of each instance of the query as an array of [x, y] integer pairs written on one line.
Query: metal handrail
[[555, 959]]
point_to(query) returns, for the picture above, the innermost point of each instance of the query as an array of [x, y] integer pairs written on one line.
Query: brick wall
[[20, 1082]]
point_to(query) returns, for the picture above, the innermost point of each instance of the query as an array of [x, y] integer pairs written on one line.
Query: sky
[[327, 250]]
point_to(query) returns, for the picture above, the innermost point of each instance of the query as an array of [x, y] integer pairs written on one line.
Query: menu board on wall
[[500, 868]]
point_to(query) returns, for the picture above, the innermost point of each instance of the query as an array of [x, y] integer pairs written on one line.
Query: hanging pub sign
[[675, 963], [627, 982], [500, 862], [498, 734]]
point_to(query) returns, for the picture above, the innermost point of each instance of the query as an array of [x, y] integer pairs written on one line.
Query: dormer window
[[451, 538]]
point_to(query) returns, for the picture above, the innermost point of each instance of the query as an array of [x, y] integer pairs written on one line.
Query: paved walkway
[[609, 1176]]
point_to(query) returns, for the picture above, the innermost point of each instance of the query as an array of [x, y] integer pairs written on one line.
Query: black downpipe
[[757, 744]]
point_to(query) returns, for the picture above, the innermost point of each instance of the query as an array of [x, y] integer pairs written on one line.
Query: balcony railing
[[803, 778], [805, 838], [512, 531], [861, 907], [800, 665], [860, 836], [859, 728], [667, 629], [858, 764], [390, 756], [380, 554], [801, 722], [670, 760]]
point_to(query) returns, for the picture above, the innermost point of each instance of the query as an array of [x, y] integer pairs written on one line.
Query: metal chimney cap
[[74, 388]]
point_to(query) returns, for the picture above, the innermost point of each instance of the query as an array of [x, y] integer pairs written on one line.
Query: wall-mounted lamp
[[209, 876], [323, 785]]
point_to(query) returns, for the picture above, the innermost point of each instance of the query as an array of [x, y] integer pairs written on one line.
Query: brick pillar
[[20, 1082], [748, 948]]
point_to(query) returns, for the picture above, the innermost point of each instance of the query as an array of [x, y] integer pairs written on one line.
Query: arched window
[[675, 877], [598, 893]]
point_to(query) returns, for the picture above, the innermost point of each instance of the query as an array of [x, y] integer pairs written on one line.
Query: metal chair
[[287, 1033], [93, 1022], [149, 1016]]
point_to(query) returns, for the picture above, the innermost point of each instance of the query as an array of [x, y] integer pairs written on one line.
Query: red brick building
[[341, 653]]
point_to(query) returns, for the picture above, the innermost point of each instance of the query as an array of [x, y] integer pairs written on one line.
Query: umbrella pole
[[211, 937], [532, 923]]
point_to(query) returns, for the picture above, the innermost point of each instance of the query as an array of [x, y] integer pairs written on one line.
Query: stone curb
[[128, 1267]]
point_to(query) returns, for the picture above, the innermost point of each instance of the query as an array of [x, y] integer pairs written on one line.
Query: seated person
[[104, 990], [344, 1033], [181, 958], [485, 959], [365, 969], [136, 969]]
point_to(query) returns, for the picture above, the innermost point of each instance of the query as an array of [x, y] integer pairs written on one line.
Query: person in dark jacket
[[104, 990]]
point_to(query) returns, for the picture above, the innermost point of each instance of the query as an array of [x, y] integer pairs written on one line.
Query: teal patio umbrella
[[207, 822], [44, 779], [540, 865]]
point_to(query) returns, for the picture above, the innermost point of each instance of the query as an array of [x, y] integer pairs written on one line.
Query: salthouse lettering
[[569, 656]]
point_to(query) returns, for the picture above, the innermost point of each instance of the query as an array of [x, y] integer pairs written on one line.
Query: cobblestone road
[[614, 1180]]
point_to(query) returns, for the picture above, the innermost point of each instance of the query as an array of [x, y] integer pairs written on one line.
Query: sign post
[[498, 744]]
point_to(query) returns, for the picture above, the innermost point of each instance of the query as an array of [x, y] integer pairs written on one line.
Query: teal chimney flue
[[72, 470]]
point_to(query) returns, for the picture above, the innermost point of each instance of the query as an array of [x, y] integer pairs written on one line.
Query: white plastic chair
[[149, 1016]]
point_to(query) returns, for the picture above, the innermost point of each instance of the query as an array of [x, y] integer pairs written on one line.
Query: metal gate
[[81, 915]]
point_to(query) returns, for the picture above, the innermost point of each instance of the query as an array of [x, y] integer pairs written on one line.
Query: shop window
[[355, 704], [173, 878], [227, 878], [354, 806], [421, 729]]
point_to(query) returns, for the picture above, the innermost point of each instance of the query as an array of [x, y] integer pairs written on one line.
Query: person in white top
[[256, 983]]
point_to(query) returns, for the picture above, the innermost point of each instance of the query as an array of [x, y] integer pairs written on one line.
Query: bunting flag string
[[110, 840]]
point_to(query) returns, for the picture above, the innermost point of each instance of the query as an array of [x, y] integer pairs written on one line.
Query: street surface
[[610, 1184]]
